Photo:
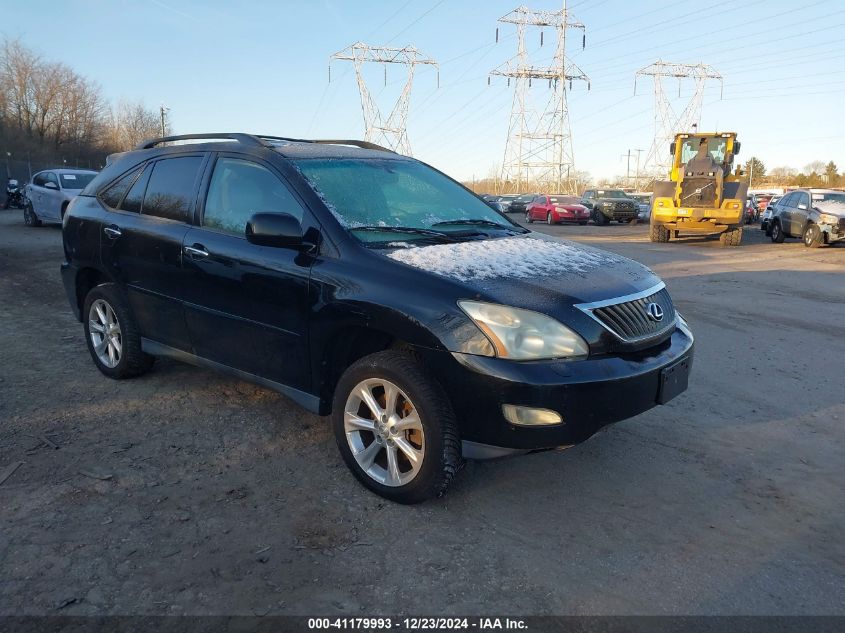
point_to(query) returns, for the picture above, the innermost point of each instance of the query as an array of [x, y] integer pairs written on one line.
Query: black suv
[[369, 286], [607, 205]]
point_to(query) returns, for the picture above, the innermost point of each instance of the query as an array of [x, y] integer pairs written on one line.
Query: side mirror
[[672, 148], [51, 185], [737, 145], [280, 230]]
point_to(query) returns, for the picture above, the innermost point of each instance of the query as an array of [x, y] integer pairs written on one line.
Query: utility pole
[[667, 122], [628, 169], [637, 177], [163, 112], [391, 132], [539, 150]]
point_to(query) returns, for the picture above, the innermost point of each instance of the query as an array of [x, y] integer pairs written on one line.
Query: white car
[[50, 191]]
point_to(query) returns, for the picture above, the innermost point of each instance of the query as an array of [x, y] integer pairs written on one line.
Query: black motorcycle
[[14, 195]]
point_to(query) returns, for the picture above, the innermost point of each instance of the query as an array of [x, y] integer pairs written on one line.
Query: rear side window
[[170, 191], [112, 196]]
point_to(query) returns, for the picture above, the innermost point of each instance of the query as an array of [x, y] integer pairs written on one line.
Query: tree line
[[815, 174], [52, 116]]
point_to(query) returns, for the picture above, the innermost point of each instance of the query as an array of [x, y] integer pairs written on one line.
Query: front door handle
[[112, 232], [197, 251]]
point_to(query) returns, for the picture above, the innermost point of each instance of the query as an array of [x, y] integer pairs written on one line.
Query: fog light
[[529, 416]]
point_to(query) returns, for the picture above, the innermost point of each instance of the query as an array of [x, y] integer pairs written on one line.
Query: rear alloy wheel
[[549, 218], [395, 428], [777, 233], [29, 217], [112, 335], [813, 236]]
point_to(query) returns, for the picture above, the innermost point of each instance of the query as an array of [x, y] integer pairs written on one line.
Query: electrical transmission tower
[[391, 132], [539, 151], [667, 122]]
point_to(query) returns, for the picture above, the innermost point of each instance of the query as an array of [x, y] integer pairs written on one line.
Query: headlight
[[522, 334], [826, 218]]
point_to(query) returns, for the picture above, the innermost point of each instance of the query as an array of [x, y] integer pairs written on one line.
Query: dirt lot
[[205, 495]]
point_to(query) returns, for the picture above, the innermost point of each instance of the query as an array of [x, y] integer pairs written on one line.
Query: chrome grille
[[629, 318]]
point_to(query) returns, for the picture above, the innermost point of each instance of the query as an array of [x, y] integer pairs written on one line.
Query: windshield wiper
[[473, 222], [411, 230]]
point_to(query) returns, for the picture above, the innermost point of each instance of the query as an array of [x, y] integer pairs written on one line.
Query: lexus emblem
[[655, 312]]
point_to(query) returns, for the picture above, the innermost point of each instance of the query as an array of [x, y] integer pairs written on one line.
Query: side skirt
[[306, 400]]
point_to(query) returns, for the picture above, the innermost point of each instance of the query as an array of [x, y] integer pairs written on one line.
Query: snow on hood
[[510, 257], [831, 206]]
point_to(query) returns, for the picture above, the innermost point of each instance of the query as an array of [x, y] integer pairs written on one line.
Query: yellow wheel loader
[[702, 195]]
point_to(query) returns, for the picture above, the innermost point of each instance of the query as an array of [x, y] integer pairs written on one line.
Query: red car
[[557, 209]]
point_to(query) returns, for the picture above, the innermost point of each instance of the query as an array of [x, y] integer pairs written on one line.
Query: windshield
[[829, 197], [405, 194], [715, 147], [564, 200], [76, 181], [611, 193]]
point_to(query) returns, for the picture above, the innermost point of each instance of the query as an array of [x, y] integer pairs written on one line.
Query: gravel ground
[[187, 492]]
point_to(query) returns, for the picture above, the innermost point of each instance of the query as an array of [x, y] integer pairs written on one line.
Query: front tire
[[731, 237], [112, 334], [813, 237], [395, 428], [549, 220], [599, 218], [528, 219], [29, 216], [658, 233]]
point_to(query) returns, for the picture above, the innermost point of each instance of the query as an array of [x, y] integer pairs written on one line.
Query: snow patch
[[831, 206], [514, 257]]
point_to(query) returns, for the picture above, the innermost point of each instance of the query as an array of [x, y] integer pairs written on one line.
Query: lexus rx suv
[[372, 288], [817, 216]]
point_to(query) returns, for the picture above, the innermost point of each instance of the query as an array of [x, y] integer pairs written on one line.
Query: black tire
[[658, 233], [29, 217], [777, 233], [528, 219], [442, 455], [731, 237], [582, 223], [812, 236], [599, 218], [64, 209], [549, 220], [132, 361]]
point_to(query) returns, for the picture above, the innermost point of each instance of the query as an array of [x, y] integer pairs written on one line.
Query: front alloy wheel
[[384, 432], [395, 427]]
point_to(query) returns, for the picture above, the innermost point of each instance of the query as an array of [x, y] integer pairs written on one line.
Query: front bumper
[[589, 394]]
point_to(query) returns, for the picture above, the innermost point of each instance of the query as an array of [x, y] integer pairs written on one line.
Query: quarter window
[[240, 188], [112, 196], [171, 188]]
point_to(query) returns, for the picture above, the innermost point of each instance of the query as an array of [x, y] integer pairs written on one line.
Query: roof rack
[[247, 139], [258, 140], [353, 142]]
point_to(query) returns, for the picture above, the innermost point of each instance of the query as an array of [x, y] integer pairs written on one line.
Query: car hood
[[831, 207], [631, 200], [531, 271]]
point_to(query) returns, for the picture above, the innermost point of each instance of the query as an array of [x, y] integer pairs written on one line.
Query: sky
[[263, 67]]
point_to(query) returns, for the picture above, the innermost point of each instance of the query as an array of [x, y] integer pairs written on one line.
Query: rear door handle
[[197, 251], [112, 232]]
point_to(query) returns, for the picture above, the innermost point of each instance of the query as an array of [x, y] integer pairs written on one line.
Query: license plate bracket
[[674, 380]]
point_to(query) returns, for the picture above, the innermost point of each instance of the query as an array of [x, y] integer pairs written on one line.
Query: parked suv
[[610, 204], [367, 286], [50, 192], [817, 216]]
